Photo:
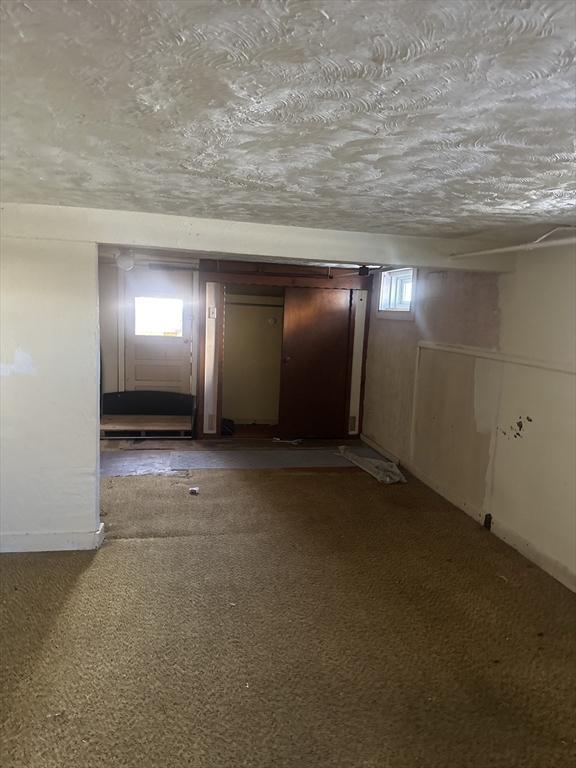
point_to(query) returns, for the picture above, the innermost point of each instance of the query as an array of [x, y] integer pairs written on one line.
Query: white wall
[[49, 408], [445, 394], [532, 494], [252, 358], [538, 306], [452, 307], [49, 395]]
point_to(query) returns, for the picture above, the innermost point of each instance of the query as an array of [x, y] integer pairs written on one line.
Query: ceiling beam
[[269, 241]]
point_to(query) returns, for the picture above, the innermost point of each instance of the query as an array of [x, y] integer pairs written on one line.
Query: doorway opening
[[148, 351], [254, 349], [253, 322], [282, 350], [266, 350]]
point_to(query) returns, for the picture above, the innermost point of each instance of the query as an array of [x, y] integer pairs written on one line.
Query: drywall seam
[[52, 542], [493, 448], [503, 357]]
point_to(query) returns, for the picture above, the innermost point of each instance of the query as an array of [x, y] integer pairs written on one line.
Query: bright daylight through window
[[158, 317], [396, 290]]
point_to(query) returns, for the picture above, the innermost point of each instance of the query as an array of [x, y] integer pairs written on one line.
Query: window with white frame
[[396, 290], [158, 317]]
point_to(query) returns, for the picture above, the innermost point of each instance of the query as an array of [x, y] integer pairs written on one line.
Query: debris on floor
[[289, 442], [194, 491], [383, 470]]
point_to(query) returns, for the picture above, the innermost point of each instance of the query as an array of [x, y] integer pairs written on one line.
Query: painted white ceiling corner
[[439, 118]]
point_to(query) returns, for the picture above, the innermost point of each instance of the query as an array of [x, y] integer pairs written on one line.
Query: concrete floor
[[243, 453]]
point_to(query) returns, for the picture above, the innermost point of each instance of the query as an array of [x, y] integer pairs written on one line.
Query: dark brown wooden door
[[315, 362]]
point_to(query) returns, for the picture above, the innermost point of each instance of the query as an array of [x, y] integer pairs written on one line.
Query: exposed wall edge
[[514, 540], [52, 542]]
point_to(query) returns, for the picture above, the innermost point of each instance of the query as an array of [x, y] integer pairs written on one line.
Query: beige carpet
[[285, 620]]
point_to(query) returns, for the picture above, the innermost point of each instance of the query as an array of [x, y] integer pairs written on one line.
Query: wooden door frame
[[349, 358], [202, 356], [364, 358], [224, 272]]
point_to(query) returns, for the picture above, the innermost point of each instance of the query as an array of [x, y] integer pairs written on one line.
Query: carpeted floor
[[285, 619]]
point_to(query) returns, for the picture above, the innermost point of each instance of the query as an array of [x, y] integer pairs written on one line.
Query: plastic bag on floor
[[383, 470]]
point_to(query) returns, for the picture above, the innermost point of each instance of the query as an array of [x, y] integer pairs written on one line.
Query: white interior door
[[158, 329]]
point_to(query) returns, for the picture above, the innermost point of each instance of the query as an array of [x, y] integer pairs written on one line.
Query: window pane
[[396, 290], [407, 291], [385, 289], [158, 317]]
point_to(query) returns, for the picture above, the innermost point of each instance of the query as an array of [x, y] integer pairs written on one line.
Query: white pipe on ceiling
[[540, 242]]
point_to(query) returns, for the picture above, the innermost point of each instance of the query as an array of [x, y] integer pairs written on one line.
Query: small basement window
[[396, 290], [158, 317]]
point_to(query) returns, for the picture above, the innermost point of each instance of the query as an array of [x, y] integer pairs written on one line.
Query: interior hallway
[[285, 618]]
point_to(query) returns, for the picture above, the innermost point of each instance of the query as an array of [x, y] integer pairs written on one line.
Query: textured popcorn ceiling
[[412, 116]]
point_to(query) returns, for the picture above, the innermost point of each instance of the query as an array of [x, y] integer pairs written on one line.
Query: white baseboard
[[474, 512], [513, 539], [462, 504], [51, 542], [379, 448], [558, 571]]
